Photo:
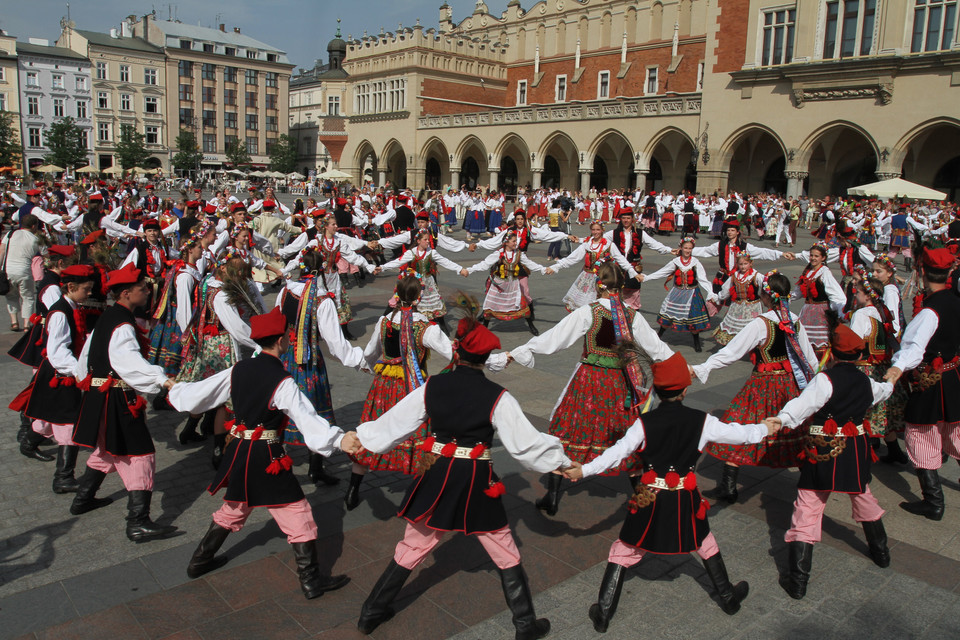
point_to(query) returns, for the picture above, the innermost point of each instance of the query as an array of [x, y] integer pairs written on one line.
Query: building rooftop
[[106, 40], [41, 50], [206, 34]]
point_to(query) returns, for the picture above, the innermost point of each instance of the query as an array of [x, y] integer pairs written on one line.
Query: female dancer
[[397, 353], [175, 309], [602, 398], [475, 221], [593, 252], [820, 291], [743, 291], [312, 318], [505, 300], [783, 363], [885, 271], [684, 309]]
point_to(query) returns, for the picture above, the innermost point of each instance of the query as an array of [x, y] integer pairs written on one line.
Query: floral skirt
[[739, 315], [591, 416], [813, 319], [385, 392], [763, 396], [165, 348], [333, 282], [684, 310], [582, 292], [213, 355], [887, 416], [312, 380]]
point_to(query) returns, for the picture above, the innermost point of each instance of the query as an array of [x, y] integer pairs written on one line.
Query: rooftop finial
[[338, 27]]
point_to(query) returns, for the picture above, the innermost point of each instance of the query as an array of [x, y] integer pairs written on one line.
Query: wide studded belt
[[270, 436], [818, 430], [461, 452], [119, 384]]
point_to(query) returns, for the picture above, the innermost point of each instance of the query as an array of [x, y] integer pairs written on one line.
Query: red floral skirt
[[384, 393], [763, 396]]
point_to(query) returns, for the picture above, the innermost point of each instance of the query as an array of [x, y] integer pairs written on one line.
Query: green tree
[[65, 141], [283, 155], [188, 151], [131, 148], [11, 151], [236, 153]]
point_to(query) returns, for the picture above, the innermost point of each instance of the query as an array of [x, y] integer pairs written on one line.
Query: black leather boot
[[140, 528], [376, 608], [352, 498], [63, 480], [532, 328], [346, 332], [696, 343], [602, 612], [894, 453], [205, 558], [160, 401], [516, 591], [25, 426], [86, 499], [877, 541], [313, 583], [189, 432], [931, 507], [727, 487], [730, 595], [317, 473], [209, 420], [798, 569], [219, 444], [29, 447], [550, 502]]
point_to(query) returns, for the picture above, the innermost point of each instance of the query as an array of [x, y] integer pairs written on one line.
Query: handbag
[[4, 280]]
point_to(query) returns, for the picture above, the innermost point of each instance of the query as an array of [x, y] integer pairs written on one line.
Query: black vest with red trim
[[52, 400], [29, 348], [945, 341], [50, 279], [848, 258], [63, 306], [635, 248], [935, 391]]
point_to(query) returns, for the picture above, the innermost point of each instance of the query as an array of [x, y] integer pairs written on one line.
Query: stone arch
[[630, 25], [471, 156], [366, 160], [756, 159], [613, 151], [837, 156], [684, 16], [512, 157], [929, 154], [583, 32], [606, 29], [671, 149], [656, 21], [394, 164], [435, 160], [562, 150], [561, 41], [522, 44]]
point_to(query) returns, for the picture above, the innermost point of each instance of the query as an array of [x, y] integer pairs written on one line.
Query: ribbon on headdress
[[634, 374], [173, 268], [412, 374]]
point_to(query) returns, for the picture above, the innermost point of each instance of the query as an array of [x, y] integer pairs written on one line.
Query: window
[[150, 76], [229, 141], [185, 44], [83, 137], [186, 117], [522, 93], [81, 108], [207, 48], [560, 91], [103, 131], [209, 143], [33, 106], [333, 105], [778, 29], [650, 85], [271, 57], [186, 68], [186, 92], [3, 102], [268, 148], [251, 121], [126, 102], [58, 107], [208, 72], [270, 101], [57, 81], [251, 101], [209, 118], [271, 79], [230, 120], [700, 69], [32, 80], [81, 83], [209, 94], [124, 73], [934, 25], [848, 30], [272, 123], [252, 147], [251, 76], [151, 104], [103, 100], [229, 74], [603, 85], [230, 96], [230, 51], [33, 136], [3, 74], [252, 55], [151, 134], [102, 71]]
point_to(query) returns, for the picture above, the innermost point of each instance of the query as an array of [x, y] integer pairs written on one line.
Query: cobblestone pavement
[[78, 577]]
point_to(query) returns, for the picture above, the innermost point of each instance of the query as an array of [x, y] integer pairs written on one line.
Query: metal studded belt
[[270, 436], [461, 452], [817, 430], [120, 384]]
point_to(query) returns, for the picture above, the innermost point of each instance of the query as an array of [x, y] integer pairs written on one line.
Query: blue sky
[[300, 27]]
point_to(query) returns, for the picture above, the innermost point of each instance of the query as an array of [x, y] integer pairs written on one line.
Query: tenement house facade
[[9, 82]]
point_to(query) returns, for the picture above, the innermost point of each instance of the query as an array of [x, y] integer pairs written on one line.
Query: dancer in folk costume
[[820, 292], [685, 309], [592, 252], [52, 400], [630, 241], [731, 245], [150, 255], [397, 352], [602, 397], [885, 271], [112, 419], [835, 408], [783, 363], [505, 299], [257, 472], [667, 514], [850, 254], [930, 351], [312, 316], [423, 261], [458, 489], [742, 290]]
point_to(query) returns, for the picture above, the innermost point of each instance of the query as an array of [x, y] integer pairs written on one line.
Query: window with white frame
[[3, 101], [59, 107], [102, 71], [33, 137], [522, 93], [253, 147], [81, 83], [103, 131], [848, 28], [57, 81], [650, 84], [778, 32], [603, 85], [3, 74], [32, 79], [560, 89], [83, 137], [124, 73], [934, 25], [81, 108], [149, 76], [103, 100], [380, 97], [333, 105], [33, 106], [700, 69], [151, 104], [126, 102], [152, 134]]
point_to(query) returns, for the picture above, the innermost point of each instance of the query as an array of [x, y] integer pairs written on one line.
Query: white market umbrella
[[296, 176], [256, 174], [335, 174], [48, 168], [897, 188], [235, 172], [88, 169], [276, 174], [114, 170]]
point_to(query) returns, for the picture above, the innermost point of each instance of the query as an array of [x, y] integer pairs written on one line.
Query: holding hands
[[350, 443], [574, 472], [893, 374], [773, 425], [464, 273]]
